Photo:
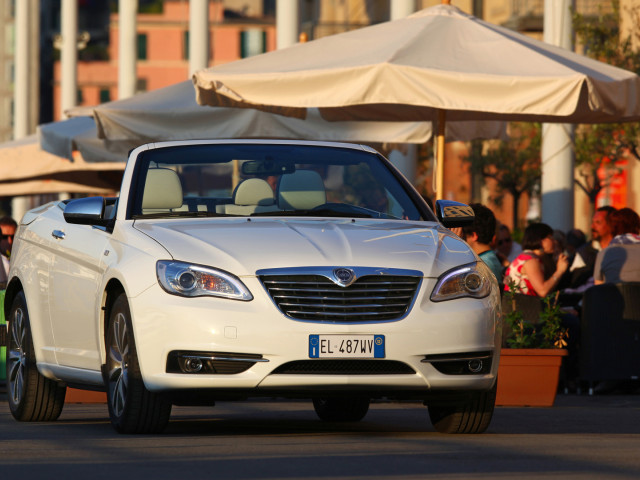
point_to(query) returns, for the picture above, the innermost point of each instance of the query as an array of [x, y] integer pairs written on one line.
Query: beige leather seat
[[162, 191], [302, 190], [253, 195]]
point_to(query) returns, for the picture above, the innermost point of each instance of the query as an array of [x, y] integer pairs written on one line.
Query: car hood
[[242, 246]]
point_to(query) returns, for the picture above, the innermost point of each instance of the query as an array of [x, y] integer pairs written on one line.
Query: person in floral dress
[[526, 271]]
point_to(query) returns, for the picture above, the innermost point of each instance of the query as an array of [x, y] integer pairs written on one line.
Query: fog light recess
[[220, 363], [475, 363]]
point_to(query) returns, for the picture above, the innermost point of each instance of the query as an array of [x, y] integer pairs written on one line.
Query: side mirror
[[454, 214], [86, 211]]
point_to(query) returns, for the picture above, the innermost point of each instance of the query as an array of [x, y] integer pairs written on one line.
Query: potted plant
[[532, 352]]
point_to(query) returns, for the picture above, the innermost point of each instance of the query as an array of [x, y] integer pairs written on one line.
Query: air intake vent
[[315, 297], [344, 367]]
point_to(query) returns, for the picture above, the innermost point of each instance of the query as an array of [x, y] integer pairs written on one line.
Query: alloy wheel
[[17, 356], [117, 364]]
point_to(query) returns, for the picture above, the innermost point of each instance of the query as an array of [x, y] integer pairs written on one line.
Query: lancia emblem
[[344, 276]]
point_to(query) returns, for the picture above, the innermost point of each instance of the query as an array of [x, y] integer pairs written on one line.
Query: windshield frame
[[160, 153]]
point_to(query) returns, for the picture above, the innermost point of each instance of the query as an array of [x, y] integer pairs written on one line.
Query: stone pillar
[[557, 139]]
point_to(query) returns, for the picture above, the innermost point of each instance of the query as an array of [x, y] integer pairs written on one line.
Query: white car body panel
[[232, 243]]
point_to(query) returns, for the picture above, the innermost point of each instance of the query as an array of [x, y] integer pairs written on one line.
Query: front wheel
[[352, 409], [472, 416], [32, 397], [132, 408]]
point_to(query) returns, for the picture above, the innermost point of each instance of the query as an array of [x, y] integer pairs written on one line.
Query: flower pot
[[84, 396], [528, 376]]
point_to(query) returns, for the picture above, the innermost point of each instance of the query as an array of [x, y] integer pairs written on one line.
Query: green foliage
[[603, 145], [551, 333], [547, 333], [514, 164]]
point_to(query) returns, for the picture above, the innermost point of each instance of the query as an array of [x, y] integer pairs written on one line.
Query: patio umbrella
[[437, 65], [25, 169], [172, 113], [67, 138]]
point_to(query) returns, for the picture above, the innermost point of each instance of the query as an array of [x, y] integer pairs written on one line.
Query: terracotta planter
[[84, 396], [528, 377]]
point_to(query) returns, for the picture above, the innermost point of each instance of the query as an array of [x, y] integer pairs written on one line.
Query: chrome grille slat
[[336, 299], [336, 314], [362, 283], [322, 305], [317, 298], [377, 290]]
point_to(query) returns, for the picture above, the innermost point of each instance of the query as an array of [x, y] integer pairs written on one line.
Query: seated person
[[526, 272], [506, 248], [480, 234], [582, 267], [620, 261]]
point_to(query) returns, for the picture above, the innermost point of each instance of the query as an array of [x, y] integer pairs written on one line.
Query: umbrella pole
[[440, 155]]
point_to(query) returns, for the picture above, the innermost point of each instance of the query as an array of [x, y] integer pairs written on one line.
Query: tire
[[474, 416], [352, 409], [32, 397], [132, 408]]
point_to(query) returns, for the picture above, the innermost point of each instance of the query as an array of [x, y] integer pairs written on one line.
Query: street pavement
[[586, 437]]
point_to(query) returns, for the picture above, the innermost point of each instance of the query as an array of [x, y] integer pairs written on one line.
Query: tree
[[514, 164], [604, 145]]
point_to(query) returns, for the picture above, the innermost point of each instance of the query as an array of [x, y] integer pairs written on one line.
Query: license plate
[[346, 346]]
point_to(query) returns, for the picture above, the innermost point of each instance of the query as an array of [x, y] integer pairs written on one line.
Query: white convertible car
[[239, 268]]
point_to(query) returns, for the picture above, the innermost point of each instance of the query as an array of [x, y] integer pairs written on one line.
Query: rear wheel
[[473, 416], [132, 408], [352, 409], [32, 397]]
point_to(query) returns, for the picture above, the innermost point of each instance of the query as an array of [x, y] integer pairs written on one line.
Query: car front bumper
[[165, 323]]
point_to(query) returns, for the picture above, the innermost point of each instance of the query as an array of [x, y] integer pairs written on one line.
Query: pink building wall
[[166, 63]]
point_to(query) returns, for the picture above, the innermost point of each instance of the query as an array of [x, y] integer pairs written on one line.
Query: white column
[[21, 84], [401, 8], [127, 48], [69, 55], [287, 23], [198, 35], [557, 139], [21, 81], [406, 160]]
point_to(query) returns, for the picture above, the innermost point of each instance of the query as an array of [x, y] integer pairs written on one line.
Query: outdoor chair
[[610, 333]]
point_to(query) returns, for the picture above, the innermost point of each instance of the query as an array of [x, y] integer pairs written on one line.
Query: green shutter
[[105, 95], [142, 46], [243, 44]]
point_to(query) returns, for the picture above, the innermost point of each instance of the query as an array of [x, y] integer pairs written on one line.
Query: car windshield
[[269, 179]]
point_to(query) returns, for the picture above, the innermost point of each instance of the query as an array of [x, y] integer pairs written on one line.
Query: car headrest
[[302, 190], [254, 191], [162, 189]]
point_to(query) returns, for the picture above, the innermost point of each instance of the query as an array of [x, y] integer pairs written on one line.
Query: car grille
[[315, 297], [344, 367]]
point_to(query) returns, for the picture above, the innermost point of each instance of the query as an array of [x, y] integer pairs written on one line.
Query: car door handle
[[59, 234]]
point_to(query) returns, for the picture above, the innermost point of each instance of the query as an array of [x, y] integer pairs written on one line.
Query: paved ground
[[580, 437]]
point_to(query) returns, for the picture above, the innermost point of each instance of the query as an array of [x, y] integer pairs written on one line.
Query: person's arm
[[533, 269], [598, 277]]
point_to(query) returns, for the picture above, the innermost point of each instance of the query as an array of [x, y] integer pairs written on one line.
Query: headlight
[[191, 280], [473, 280]]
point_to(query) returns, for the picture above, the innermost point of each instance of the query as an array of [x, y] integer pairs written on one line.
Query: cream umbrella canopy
[[435, 65], [106, 133], [25, 169], [172, 113]]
